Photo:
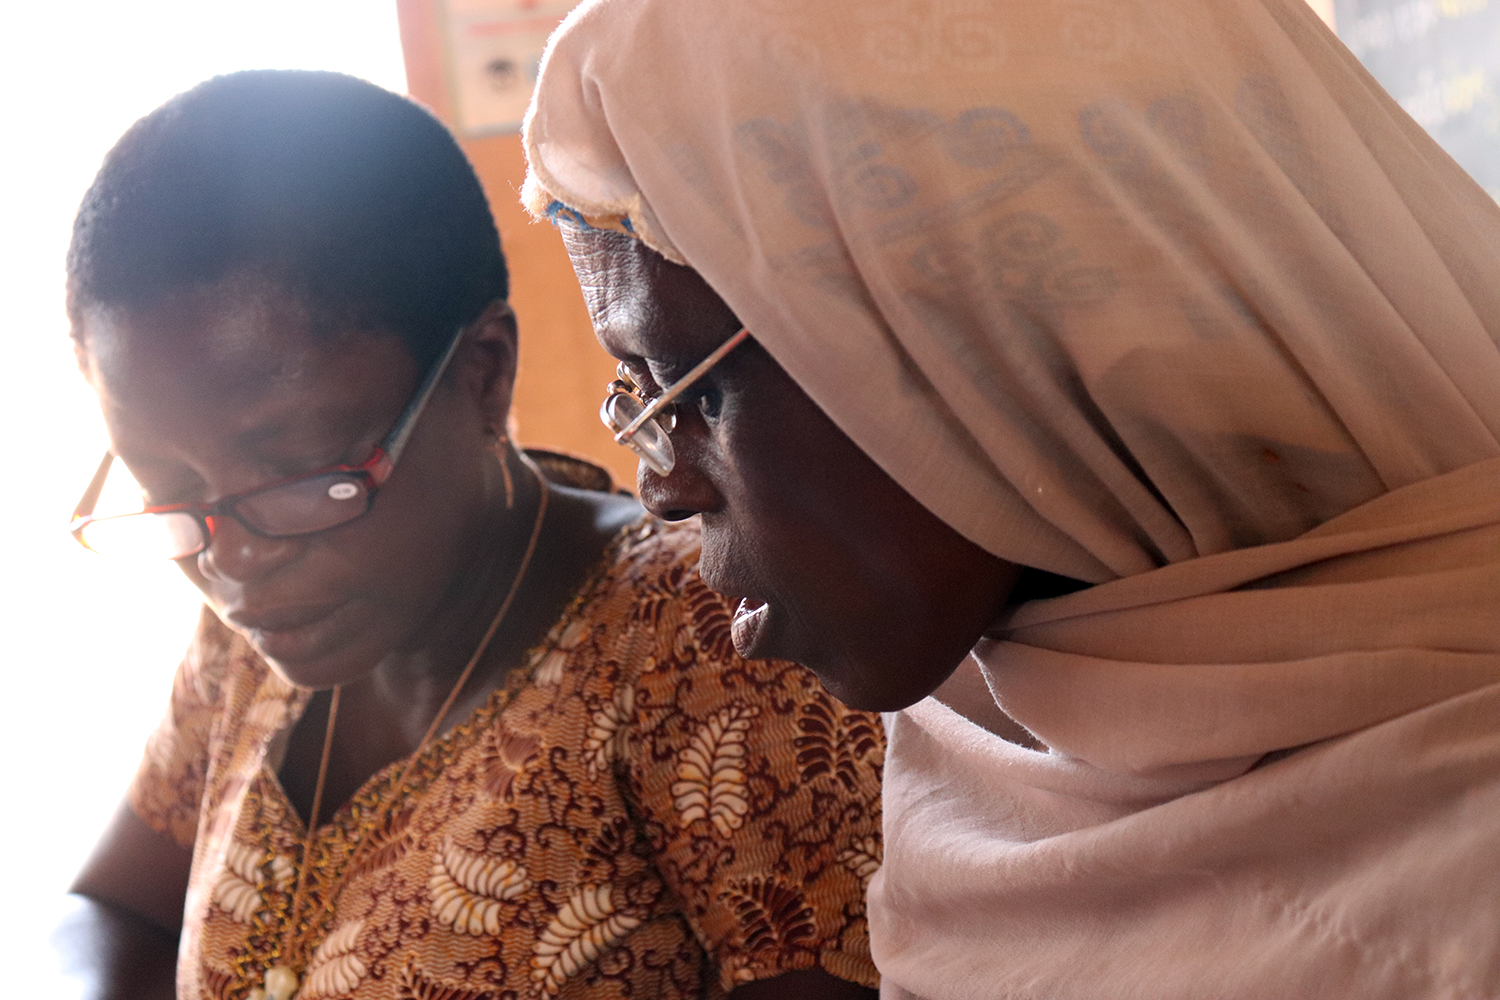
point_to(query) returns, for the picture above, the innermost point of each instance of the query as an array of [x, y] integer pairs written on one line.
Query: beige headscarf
[[1168, 296]]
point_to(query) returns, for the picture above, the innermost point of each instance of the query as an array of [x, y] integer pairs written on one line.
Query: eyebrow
[[255, 437], [177, 482], [335, 439]]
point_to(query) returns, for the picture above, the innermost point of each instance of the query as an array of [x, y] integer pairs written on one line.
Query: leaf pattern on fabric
[[237, 892], [863, 859], [770, 913], [504, 760], [388, 844], [467, 889], [607, 729], [711, 782], [712, 621], [416, 986], [586, 927], [834, 741], [335, 969], [487, 881], [552, 660], [220, 985]]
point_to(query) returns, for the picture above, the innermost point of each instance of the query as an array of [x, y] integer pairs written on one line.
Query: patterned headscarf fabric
[[1167, 296]]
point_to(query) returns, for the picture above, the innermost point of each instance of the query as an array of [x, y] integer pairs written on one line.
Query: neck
[[412, 682], [391, 708]]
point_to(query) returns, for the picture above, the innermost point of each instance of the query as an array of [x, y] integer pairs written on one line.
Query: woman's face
[[837, 566], [225, 389]]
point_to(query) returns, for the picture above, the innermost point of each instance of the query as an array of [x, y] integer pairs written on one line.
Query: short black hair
[[352, 198]]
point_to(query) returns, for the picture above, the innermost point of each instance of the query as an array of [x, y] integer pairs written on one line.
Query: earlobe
[[490, 360]]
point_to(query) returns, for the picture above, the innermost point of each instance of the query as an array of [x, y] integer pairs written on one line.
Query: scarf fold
[[1167, 296], [1164, 845]]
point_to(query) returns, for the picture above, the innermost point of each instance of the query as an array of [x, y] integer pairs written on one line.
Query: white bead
[[281, 983]]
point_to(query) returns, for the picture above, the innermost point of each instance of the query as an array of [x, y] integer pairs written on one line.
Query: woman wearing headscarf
[[1124, 377]]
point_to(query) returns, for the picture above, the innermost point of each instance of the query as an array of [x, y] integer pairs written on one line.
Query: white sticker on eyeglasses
[[343, 491]]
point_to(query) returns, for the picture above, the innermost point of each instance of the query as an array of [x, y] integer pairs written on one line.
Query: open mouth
[[748, 625]]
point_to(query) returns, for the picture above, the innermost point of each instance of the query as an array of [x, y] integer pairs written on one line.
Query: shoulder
[[756, 790], [648, 583], [661, 552]]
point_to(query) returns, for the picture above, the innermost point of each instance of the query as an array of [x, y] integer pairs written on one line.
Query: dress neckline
[[370, 791]]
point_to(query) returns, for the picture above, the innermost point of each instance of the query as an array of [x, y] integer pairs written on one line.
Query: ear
[[486, 365]]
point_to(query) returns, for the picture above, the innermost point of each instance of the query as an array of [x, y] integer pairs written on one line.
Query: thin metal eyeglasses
[[644, 423], [285, 508]]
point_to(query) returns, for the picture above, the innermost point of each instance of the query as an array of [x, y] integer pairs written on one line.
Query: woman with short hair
[[459, 720]]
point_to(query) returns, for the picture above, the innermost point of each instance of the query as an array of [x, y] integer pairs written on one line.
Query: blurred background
[[90, 646]]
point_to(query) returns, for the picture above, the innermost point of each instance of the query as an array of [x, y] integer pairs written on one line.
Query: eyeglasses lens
[[650, 441], [300, 507], [145, 536], [305, 505]]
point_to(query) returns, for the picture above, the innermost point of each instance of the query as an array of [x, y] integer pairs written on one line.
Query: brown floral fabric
[[638, 813]]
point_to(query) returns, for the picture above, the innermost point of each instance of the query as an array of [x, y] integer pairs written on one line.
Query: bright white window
[[89, 647]]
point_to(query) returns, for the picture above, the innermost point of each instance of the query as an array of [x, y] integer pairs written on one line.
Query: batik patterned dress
[[638, 813]]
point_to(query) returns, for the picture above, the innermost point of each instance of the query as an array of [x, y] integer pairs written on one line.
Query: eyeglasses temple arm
[[85, 506], [680, 386], [395, 442]]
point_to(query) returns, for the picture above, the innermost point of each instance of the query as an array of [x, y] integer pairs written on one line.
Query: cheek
[[397, 562], [809, 522], [814, 497], [420, 532], [190, 570], [870, 576]]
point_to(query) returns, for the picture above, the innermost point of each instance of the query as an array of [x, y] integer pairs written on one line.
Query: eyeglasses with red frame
[[286, 508]]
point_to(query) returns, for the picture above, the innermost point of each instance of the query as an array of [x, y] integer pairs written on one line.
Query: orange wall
[[563, 369]]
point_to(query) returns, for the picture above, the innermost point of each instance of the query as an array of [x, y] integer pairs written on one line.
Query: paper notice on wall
[[494, 48]]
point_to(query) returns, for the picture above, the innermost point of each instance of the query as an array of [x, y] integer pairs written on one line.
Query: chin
[[862, 675], [877, 685], [314, 672], [303, 675]]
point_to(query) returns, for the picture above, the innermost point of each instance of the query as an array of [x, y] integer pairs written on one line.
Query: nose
[[688, 490], [236, 554]]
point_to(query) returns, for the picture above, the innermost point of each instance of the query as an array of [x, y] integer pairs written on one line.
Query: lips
[[748, 626], [289, 634], [750, 613], [725, 577], [288, 618]]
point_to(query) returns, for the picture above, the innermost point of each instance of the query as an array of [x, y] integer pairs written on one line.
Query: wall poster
[[493, 50]]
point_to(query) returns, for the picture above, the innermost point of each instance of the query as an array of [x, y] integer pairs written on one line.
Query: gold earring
[[501, 447]]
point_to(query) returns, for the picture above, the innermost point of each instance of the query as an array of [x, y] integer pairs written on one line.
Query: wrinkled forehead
[[641, 304]]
